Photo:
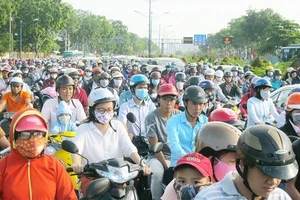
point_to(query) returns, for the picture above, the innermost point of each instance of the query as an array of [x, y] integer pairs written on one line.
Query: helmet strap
[[190, 114], [244, 177]]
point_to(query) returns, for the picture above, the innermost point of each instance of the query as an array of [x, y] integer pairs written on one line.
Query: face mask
[[221, 169], [88, 74], [32, 147], [179, 85], [264, 94], [168, 68], [187, 192], [153, 95], [104, 118], [234, 73], [104, 83], [270, 74], [296, 118], [277, 78], [141, 94], [210, 96], [241, 75], [117, 83], [155, 82], [64, 119], [25, 71], [53, 76], [219, 79]]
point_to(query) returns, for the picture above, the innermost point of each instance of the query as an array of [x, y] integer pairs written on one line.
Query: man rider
[[156, 132], [94, 83], [65, 87]]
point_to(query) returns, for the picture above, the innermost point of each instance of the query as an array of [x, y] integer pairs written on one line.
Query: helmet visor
[[284, 172]]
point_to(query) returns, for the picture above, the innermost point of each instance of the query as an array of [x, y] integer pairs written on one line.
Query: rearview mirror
[[97, 188], [69, 146]]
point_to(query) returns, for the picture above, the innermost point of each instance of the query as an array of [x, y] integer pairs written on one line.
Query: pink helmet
[[50, 91]]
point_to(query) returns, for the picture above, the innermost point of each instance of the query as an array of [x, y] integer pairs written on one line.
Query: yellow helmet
[[270, 68]]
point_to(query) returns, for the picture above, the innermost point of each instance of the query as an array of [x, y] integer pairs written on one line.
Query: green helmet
[[194, 93]]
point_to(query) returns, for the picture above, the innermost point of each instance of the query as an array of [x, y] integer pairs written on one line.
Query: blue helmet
[[138, 79], [262, 82], [207, 85]]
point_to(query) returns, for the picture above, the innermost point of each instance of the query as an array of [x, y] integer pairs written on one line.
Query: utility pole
[[150, 29], [159, 38], [21, 24], [10, 36]]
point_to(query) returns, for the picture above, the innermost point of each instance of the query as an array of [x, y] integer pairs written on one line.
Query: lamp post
[[21, 27]]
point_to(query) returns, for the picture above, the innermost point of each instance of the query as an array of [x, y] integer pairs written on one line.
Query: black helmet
[[155, 75], [195, 94], [194, 80], [277, 72], [192, 70], [207, 85], [269, 149], [180, 76], [104, 75], [228, 74], [64, 80]]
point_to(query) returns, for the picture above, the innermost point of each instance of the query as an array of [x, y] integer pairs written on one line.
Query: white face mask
[[219, 79], [179, 85], [264, 94], [88, 74], [117, 82], [53, 76], [104, 83]]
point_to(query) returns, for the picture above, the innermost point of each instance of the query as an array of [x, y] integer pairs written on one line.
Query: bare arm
[[2, 105], [4, 143], [28, 102], [160, 156]]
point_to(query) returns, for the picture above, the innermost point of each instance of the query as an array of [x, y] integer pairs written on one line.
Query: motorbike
[[5, 123], [55, 141], [113, 177]]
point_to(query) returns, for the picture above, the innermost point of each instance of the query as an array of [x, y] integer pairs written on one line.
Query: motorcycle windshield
[[118, 174]]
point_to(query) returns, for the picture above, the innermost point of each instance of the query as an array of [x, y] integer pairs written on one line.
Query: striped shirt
[[226, 189]]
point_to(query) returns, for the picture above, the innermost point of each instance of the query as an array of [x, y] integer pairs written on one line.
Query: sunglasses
[[75, 77]]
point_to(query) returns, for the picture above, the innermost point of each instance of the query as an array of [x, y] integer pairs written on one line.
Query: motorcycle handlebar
[[70, 169]]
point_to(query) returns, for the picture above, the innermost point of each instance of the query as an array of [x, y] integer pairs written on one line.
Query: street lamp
[[21, 27]]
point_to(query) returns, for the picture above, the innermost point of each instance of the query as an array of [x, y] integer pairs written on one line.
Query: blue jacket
[[276, 84]]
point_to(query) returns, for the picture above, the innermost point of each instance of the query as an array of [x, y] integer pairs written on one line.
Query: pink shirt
[[169, 193]]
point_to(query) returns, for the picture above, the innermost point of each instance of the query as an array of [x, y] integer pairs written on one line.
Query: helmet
[[104, 75], [294, 91], [248, 73], [6, 68], [53, 70], [246, 68], [16, 81], [194, 80], [254, 79], [32, 120], [210, 72], [228, 74], [138, 79], [234, 69], [289, 70], [207, 85], [269, 149], [96, 70], [167, 89], [205, 67], [262, 82], [270, 68], [155, 75], [144, 68], [192, 70], [193, 64], [217, 136], [16, 72], [277, 72], [241, 71], [155, 69], [224, 115], [293, 102], [180, 76], [219, 73], [195, 94], [117, 75], [71, 72], [48, 93], [115, 69], [64, 80], [100, 95]]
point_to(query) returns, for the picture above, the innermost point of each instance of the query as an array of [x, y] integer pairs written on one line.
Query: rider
[[235, 78], [53, 75], [28, 78], [94, 82], [65, 87], [101, 137], [260, 105], [276, 80], [230, 88], [28, 173], [219, 77], [156, 132], [265, 157], [180, 79], [209, 90], [226, 115], [16, 99], [182, 128], [269, 73]]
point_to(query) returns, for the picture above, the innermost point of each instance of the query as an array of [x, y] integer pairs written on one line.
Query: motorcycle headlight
[[118, 175]]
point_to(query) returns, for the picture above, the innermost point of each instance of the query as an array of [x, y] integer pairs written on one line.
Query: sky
[[185, 17]]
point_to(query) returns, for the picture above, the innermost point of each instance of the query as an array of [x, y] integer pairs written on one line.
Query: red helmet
[[224, 115], [81, 72], [167, 89], [32, 122], [293, 102]]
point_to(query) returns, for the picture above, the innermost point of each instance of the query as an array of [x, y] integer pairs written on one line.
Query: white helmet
[[210, 72], [101, 95], [289, 70], [16, 81], [219, 73], [254, 79]]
